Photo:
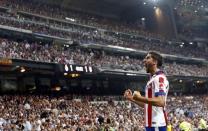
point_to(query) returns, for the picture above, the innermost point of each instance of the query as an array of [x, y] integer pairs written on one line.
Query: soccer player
[[156, 91]]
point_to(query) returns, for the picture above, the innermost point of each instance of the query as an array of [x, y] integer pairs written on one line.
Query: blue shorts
[[163, 128]]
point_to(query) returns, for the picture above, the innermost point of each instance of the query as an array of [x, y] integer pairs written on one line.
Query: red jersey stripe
[[149, 108]]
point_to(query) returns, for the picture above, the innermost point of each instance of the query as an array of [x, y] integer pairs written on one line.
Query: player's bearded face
[[148, 63]]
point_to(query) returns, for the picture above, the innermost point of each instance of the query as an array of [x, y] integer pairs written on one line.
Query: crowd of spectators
[[187, 108], [182, 7], [84, 35], [27, 113], [57, 53], [81, 18], [60, 54], [188, 13], [87, 35], [76, 33], [90, 113], [197, 4], [179, 49]]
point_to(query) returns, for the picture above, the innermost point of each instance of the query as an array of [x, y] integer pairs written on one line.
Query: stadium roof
[[102, 7], [115, 8]]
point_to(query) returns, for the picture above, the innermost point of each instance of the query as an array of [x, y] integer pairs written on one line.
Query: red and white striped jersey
[[158, 85]]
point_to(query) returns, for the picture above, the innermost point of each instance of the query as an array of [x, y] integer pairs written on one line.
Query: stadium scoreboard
[[69, 68]]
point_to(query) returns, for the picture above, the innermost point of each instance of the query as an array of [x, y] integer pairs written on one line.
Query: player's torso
[[155, 116]]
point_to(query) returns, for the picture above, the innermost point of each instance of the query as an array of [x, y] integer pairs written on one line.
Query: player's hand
[[128, 94], [136, 94]]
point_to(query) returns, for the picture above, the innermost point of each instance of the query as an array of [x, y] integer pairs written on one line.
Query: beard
[[148, 68]]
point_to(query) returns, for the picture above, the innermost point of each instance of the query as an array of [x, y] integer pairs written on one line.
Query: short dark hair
[[156, 56]]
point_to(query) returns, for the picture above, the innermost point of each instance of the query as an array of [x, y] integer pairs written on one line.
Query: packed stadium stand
[[192, 17], [67, 68], [89, 112], [61, 54]]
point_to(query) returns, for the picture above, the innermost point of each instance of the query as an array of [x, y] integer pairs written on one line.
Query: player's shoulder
[[161, 81], [160, 75], [161, 78]]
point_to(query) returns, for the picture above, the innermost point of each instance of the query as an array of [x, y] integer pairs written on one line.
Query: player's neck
[[154, 70]]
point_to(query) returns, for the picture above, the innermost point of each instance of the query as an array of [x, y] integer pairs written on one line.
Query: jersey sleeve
[[161, 85]]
